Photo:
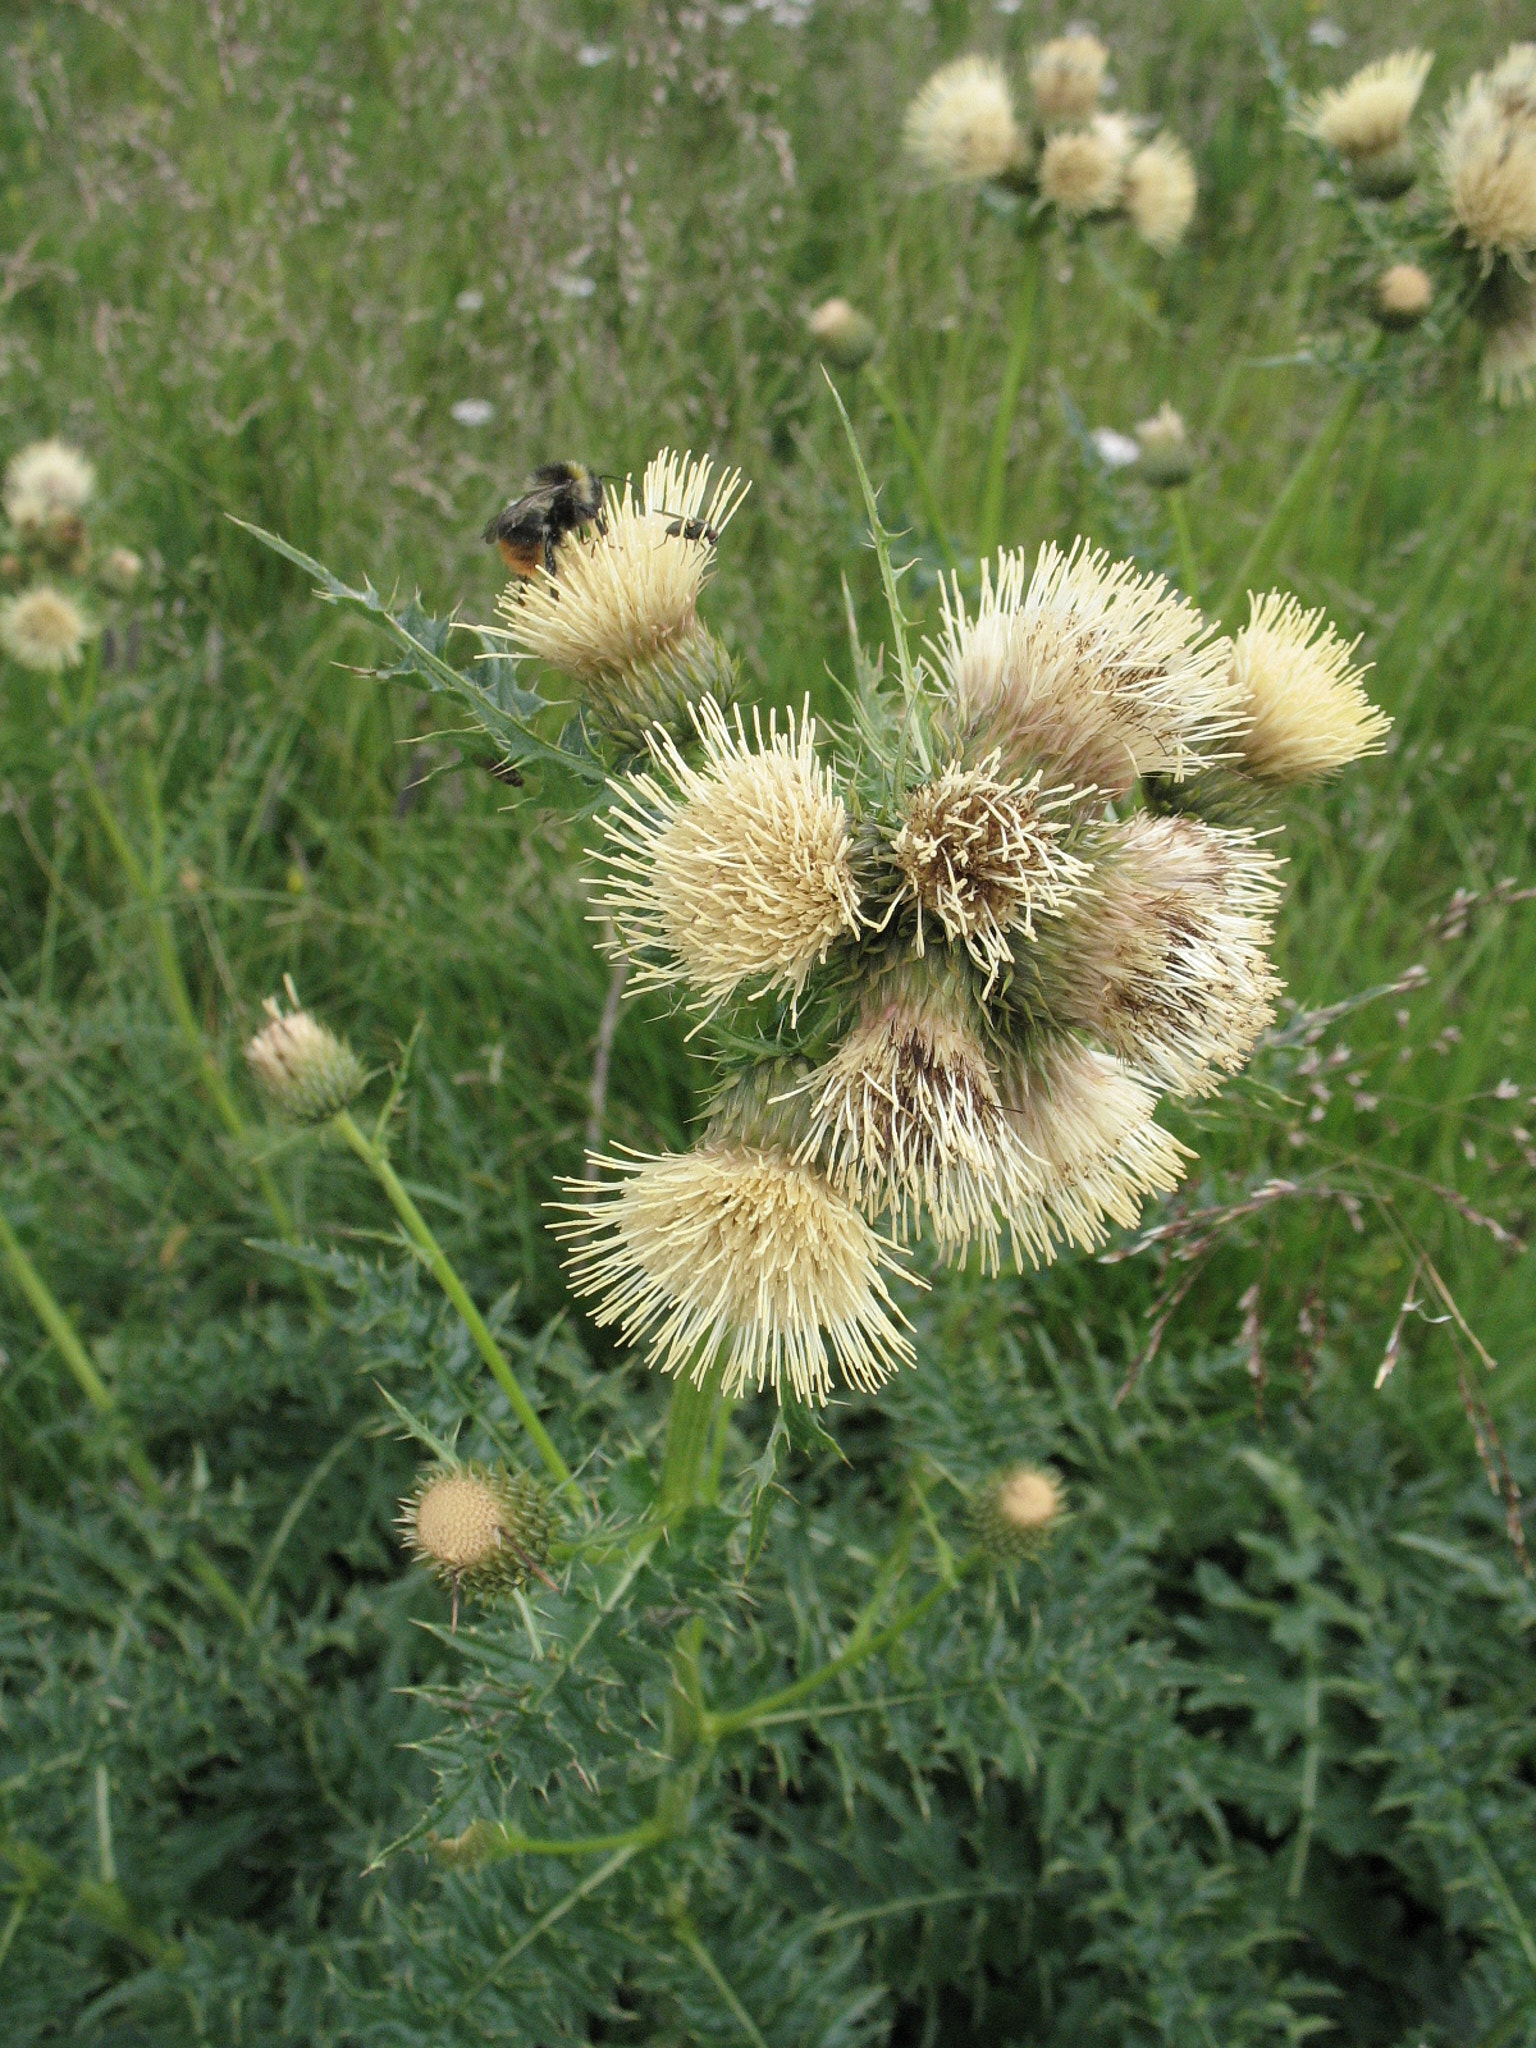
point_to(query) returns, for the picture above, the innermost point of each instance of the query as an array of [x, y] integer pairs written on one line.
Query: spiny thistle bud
[[1167, 459], [1509, 358], [738, 1243], [980, 854], [47, 486], [43, 630], [843, 334], [479, 1530], [741, 874], [1160, 190], [305, 1071], [961, 127], [1082, 170], [1366, 119], [1402, 295], [1015, 1512], [120, 570], [619, 614], [1487, 158], [1066, 76], [1305, 708]]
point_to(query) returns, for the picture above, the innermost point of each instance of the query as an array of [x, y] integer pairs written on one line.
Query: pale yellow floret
[[1303, 699], [1066, 76], [1166, 964], [1082, 170], [46, 482], [42, 629], [1368, 115], [457, 1522], [1487, 158], [961, 127], [737, 875], [1509, 360], [738, 1249], [1088, 665], [1159, 196]]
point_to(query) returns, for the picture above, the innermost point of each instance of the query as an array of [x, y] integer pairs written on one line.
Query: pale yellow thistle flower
[[1166, 456], [477, 1529], [907, 1118], [1090, 1122], [1103, 673], [1167, 963], [1066, 76], [961, 127], [1509, 360], [304, 1070], [738, 1245], [843, 334], [1404, 293], [1368, 115], [1304, 704], [43, 629], [46, 484], [1015, 1511], [1082, 170], [737, 874], [1160, 190], [622, 602], [980, 854], [1487, 158]]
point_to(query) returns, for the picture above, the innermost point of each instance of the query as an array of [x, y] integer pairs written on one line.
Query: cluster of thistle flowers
[[957, 963], [1483, 225], [46, 549], [962, 128]]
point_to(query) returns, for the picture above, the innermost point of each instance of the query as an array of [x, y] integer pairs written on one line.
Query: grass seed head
[[482, 1531], [738, 1248], [961, 127], [1487, 159], [1066, 76], [47, 487], [1167, 459], [1402, 295], [734, 874], [43, 629], [1082, 170], [1014, 1513], [305, 1071], [1304, 704], [844, 335], [1368, 115]]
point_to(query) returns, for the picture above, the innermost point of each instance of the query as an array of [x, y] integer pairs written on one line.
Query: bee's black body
[[561, 497]]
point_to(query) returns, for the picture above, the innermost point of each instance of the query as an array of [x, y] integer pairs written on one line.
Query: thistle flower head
[[1082, 170], [304, 1070], [961, 126], [1159, 195], [980, 855], [120, 570], [1167, 964], [1487, 159], [1403, 295], [1509, 359], [1090, 1125], [737, 873], [740, 1245], [1305, 708], [1066, 76], [1101, 671], [907, 1117], [47, 483], [1368, 115], [1014, 1512], [43, 629], [842, 333], [619, 615], [478, 1529], [1166, 456]]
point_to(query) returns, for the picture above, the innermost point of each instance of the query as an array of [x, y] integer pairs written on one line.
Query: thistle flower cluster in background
[[46, 548], [1071, 157], [944, 962]]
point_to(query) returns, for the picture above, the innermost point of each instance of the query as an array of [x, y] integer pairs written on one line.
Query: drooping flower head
[[1487, 159], [1166, 963], [619, 614], [43, 629], [738, 1248], [1166, 456], [1303, 700], [1159, 193], [961, 127], [1368, 115], [737, 875], [1066, 76], [304, 1070], [46, 484], [480, 1530], [1082, 170]]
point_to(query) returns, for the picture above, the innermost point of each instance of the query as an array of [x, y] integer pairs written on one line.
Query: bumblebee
[[562, 496]]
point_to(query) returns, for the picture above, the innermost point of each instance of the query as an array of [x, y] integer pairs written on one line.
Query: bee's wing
[[525, 517]]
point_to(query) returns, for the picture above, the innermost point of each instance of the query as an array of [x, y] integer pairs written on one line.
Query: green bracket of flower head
[[915, 724], [501, 712]]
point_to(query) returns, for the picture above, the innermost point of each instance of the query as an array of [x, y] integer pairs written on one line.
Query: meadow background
[[1278, 1771]]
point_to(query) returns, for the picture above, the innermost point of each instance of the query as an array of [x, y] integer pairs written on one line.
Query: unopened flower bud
[[1404, 294], [1166, 456], [1014, 1513], [844, 335], [480, 1531], [121, 570], [305, 1071]]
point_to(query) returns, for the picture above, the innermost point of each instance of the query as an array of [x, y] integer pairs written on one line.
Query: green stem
[[493, 1841], [688, 1935], [688, 1427], [103, 1903], [1023, 328], [910, 447], [378, 1165], [1266, 543], [1189, 568]]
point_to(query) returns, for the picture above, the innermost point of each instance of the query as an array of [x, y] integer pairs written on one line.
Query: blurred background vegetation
[[1267, 1763]]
